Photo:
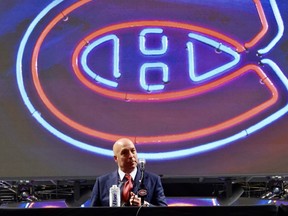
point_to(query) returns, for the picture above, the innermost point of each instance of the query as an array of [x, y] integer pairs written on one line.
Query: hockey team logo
[[136, 63]]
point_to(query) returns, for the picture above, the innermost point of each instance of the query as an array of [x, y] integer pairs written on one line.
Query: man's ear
[[115, 158]]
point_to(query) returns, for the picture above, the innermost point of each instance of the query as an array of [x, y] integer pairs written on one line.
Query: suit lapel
[[137, 182], [113, 180]]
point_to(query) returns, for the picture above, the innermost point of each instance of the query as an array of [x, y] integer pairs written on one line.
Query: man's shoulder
[[152, 175], [107, 175]]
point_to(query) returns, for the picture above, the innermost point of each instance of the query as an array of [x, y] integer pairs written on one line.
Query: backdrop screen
[[200, 86]]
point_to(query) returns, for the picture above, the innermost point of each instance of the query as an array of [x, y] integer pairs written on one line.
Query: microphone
[[142, 162], [142, 192]]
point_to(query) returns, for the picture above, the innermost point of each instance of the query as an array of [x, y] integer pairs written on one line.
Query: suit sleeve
[[156, 196], [159, 196], [95, 199]]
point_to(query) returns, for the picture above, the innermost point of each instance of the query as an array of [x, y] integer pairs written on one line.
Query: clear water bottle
[[114, 196]]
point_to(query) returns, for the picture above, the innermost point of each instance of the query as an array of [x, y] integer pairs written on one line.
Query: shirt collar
[[122, 174]]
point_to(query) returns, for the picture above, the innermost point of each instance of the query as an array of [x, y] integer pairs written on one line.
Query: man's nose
[[131, 154]]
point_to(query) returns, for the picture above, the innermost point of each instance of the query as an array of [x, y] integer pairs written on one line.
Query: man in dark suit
[[125, 155]]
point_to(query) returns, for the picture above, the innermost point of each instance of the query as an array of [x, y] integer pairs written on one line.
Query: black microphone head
[[142, 162]]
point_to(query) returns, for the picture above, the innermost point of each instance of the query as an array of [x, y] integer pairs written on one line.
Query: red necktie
[[127, 188]]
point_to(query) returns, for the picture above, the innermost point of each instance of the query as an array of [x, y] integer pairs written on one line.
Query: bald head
[[125, 154], [120, 143]]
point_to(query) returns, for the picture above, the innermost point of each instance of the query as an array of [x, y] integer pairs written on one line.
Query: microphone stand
[[142, 192]]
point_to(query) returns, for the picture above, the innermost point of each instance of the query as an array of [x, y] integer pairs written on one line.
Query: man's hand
[[136, 201]]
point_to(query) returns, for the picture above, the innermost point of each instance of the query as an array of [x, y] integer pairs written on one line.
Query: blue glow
[[27, 102], [19, 73], [70, 140], [196, 78], [242, 134], [277, 70], [151, 66], [116, 72], [193, 150], [142, 42], [280, 112], [148, 155], [280, 28]]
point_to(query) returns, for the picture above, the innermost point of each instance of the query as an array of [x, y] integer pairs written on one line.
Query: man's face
[[126, 156]]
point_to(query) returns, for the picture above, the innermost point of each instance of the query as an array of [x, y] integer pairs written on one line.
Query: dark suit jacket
[[152, 182]]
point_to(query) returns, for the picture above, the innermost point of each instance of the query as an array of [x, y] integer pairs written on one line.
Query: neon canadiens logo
[[151, 46]]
